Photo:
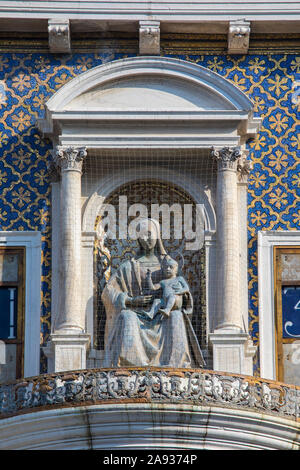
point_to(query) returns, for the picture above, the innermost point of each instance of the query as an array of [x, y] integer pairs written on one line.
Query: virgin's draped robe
[[132, 339]]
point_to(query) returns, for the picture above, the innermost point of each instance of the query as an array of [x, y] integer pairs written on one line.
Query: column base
[[67, 351], [232, 351]]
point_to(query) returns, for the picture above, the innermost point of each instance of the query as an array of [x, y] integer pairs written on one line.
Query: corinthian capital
[[70, 158], [226, 157]]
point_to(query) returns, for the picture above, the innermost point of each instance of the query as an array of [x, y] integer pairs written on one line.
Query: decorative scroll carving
[[151, 385], [244, 167], [226, 157], [53, 171], [59, 36], [238, 37], [150, 37], [70, 158]]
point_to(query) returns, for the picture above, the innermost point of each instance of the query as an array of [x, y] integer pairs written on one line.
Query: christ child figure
[[173, 288]]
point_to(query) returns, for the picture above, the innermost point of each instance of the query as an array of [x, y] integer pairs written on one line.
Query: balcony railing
[[149, 385]]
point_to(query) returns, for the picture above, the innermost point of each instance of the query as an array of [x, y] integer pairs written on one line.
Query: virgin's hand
[[140, 300]]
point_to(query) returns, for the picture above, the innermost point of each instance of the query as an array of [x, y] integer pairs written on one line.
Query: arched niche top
[[185, 83], [202, 107], [108, 185]]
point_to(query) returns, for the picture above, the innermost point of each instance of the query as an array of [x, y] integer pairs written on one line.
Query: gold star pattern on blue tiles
[[27, 81]]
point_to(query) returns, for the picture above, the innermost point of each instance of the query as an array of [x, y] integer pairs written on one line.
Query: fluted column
[[228, 307], [69, 160]]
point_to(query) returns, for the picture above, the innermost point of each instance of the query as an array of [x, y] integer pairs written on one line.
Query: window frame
[[266, 295], [278, 284], [20, 286]]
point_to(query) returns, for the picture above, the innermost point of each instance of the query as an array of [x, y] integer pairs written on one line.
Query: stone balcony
[[148, 408]]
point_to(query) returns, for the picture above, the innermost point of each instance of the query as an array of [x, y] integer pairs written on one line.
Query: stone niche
[[152, 189], [145, 127]]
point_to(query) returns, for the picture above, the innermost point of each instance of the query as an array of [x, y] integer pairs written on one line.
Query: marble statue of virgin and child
[[148, 309]]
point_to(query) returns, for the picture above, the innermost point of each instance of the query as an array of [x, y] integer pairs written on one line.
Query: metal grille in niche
[[112, 252]]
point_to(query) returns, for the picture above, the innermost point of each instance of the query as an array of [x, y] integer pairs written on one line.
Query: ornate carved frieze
[[70, 158], [59, 36], [151, 385], [149, 37], [238, 37], [226, 157]]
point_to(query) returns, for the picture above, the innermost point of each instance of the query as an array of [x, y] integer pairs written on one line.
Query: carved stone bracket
[[59, 36], [150, 37], [238, 37], [226, 157], [70, 158]]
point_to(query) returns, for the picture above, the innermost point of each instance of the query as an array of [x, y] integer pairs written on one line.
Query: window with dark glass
[[11, 312], [287, 307]]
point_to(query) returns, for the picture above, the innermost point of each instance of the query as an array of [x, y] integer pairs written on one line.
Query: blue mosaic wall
[[28, 80]]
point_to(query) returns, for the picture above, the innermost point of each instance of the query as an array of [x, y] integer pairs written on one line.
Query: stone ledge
[[149, 385], [149, 426]]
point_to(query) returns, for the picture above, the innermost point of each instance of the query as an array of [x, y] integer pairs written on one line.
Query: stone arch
[[98, 195]]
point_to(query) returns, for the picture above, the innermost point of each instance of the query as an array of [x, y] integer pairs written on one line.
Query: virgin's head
[[149, 236]]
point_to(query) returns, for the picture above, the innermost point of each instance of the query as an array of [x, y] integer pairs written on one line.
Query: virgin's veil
[[143, 223]]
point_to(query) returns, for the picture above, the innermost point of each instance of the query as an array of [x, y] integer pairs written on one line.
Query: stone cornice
[[197, 9], [198, 16], [149, 385]]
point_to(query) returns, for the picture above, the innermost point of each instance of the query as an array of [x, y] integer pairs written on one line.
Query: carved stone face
[[170, 269], [148, 236]]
